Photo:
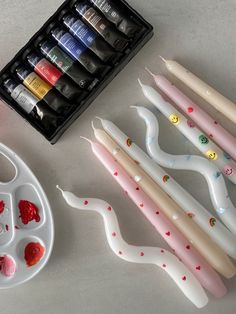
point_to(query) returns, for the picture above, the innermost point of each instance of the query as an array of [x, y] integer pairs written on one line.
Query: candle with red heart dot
[[199, 239], [182, 247], [220, 234], [181, 275]]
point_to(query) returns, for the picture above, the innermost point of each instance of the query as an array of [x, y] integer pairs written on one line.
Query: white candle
[[218, 101], [216, 184], [184, 279], [210, 224], [195, 136]]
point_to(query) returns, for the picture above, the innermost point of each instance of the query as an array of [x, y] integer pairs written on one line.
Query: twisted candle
[[216, 184], [181, 246], [183, 278], [210, 224], [196, 137]]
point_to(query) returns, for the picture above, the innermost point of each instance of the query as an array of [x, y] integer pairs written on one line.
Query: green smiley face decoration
[[203, 139]]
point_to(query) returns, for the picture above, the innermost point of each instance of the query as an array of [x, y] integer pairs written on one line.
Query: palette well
[[26, 225]]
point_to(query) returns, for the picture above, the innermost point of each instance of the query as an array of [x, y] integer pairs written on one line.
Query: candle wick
[[149, 71], [58, 187], [86, 139], [134, 107], [93, 127], [163, 59], [140, 83], [99, 118]]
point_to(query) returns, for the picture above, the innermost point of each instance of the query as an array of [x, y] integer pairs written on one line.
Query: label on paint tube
[[58, 57], [24, 98], [86, 35], [99, 23], [72, 45], [48, 71], [36, 85]]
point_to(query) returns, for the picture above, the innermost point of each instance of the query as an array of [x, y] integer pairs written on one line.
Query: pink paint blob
[[7, 266]]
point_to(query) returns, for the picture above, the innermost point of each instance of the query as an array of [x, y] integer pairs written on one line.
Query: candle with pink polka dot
[[181, 275], [176, 240], [212, 128]]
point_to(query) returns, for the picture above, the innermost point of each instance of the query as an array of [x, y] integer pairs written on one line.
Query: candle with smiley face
[[195, 136], [205, 122], [215, 180]]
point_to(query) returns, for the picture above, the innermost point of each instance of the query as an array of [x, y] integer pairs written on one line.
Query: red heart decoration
[[137, 189], [85, 202], [141, 254], [120, 252], [141, 205], [109, 208], [190, 109], [198, 267], [157, 213], [184, 278], [215, 122], [164, 265], [162, 251], [113, 234], [116, 173], [168, 233], [188, 247]]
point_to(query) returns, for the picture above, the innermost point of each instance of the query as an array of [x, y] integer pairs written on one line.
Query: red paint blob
[[34, 252], [28, 212], [2, 207]]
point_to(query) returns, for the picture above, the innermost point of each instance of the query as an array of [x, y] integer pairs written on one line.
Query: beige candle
[[199, 239], [218, 101]]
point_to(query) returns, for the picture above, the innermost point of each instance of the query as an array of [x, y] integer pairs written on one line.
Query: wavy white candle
[[216, 184], [213, 128], [210, 224], [214, 153], [184, 279]]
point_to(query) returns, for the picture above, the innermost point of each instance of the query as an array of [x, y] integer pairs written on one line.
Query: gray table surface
[[83, 275]]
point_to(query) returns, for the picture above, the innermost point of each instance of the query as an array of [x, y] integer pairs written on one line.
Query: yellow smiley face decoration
[[211, 155], [174, 119]]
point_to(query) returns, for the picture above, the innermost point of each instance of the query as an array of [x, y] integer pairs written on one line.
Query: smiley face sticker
[[203, 139], [211, 155], [229, 171], [174, 119]]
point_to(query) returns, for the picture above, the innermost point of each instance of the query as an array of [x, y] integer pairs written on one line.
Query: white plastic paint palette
[[26, 225]]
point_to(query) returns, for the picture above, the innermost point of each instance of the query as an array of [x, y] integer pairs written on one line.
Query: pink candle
[[214, 130], [183, 248]]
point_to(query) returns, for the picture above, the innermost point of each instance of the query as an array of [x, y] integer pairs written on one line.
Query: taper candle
[[183, 278], [210, 224], [181, 246], [199, 239], [217, 100], [195, 136], [212, 128], [216, 184]]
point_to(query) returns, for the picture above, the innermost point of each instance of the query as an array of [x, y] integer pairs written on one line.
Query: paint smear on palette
[[7, 266], [34, 252], [2, 207], [28, 212]]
